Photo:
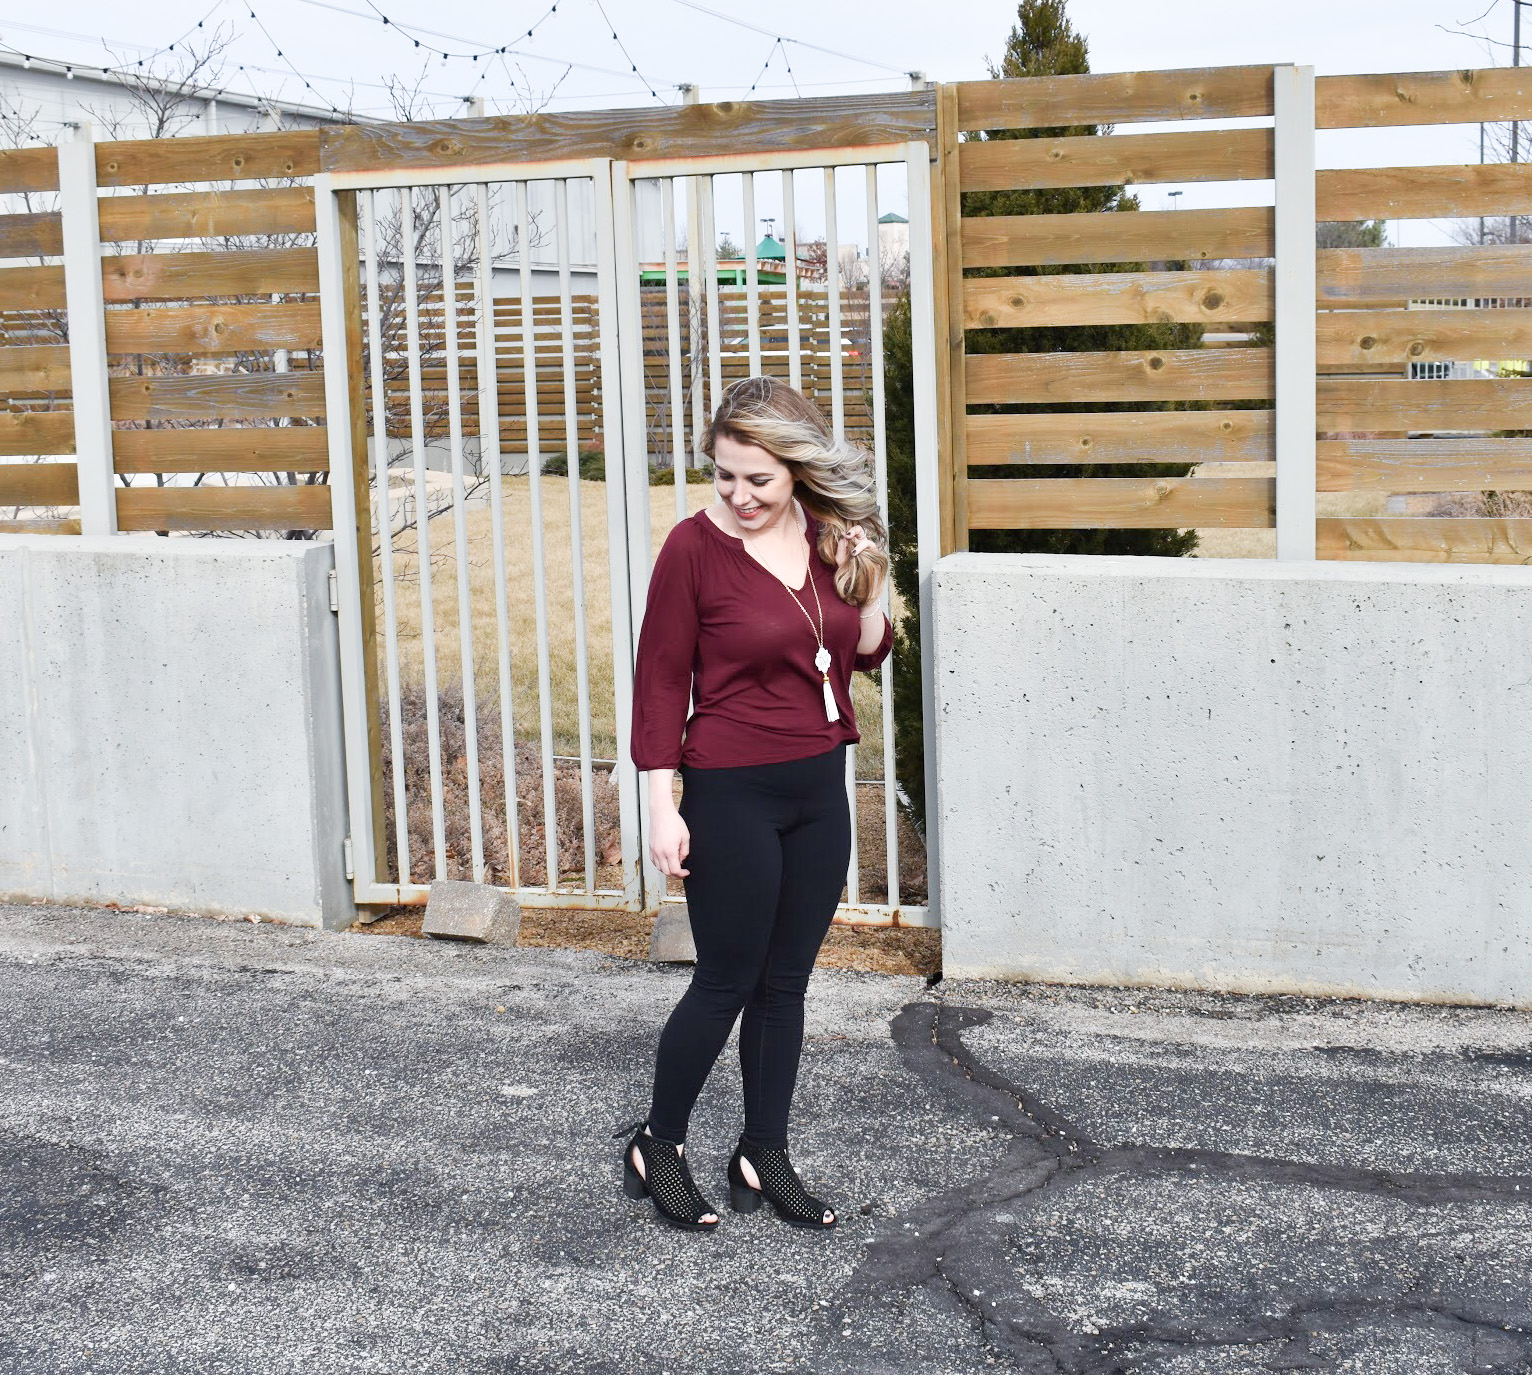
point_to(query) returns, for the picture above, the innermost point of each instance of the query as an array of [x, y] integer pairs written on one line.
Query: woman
[[759, 608]]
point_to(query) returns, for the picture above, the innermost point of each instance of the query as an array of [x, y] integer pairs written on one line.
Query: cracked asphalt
[[231, 1147]]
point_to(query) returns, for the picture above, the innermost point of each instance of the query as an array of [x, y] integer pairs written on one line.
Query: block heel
[[780, 1186], [667, 1179]]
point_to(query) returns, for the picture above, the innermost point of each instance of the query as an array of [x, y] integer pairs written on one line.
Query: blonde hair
[[834, 480]]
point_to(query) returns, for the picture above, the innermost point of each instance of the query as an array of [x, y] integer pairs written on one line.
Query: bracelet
[[868, 615]]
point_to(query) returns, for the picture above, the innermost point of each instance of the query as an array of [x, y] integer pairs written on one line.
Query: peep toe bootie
[[667, 1179], [780, 1186]]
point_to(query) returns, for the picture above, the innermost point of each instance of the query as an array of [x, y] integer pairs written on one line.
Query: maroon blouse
[[723, 629]]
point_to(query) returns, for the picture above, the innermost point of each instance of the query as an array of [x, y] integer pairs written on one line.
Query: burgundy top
[[723, 628]]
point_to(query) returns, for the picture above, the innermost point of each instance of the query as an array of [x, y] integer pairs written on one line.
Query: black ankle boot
[[667, 1179], [780, 1186]]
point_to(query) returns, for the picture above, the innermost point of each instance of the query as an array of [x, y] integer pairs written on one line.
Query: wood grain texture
[[1363, 276], [34, 368], [947, 265], [1122, 437], [230, 449], [1127, 237], [36, 432], [1423, 193], [207, 214], [221, 157], [176, 276], [1487, 95], [214, 329], [1116, 159], [1118, 298], [1426, 539], [1155, 375], [27, 236], [732, 127], [1424, 465], [1045, 102], [39, 484], [64, 525], [31, 288], [1120, 503], [1346, 404], [304, 507], [231, 396], [28, 169], [1382, 339]]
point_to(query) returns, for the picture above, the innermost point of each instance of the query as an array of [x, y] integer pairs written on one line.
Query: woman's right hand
[[669, 841]]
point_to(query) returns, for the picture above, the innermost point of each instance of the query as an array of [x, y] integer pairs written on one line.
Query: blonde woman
[[760, 607]]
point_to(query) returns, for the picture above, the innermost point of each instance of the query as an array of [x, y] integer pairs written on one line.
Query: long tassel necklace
[[822, 657]]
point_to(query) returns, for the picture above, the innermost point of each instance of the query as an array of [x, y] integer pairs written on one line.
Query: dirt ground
[[871, 949]]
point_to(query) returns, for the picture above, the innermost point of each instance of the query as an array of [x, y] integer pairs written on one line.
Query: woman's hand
[[843, 548], [669, 841]]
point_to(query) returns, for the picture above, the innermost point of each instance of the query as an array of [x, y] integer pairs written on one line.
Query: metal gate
[[494, 322]]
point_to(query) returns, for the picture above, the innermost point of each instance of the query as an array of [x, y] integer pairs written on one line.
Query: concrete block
[[472, 912], [672, 941]]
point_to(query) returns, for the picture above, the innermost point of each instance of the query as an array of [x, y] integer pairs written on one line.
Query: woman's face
[[755, 484]]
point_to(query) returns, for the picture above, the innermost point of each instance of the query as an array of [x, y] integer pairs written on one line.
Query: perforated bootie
[[780, 1186], [667, 1179]]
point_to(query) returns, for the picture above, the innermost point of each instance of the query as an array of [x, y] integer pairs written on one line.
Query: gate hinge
[[334, 591], [345, 850]]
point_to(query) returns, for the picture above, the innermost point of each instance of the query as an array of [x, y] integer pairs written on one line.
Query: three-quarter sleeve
[[878, 655], [667, 645]]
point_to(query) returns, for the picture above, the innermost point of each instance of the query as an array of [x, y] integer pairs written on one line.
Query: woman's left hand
[[843, 547]]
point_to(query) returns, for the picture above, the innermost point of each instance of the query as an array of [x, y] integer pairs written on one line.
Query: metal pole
[[1516, 123]]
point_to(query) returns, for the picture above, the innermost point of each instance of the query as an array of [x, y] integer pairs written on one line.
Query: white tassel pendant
[[832, 712]]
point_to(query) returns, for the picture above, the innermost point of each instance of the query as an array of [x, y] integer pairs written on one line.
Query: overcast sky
[[572, 60]]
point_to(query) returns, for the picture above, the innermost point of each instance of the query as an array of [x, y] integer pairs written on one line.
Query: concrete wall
[[1236, 774], [170, 727]]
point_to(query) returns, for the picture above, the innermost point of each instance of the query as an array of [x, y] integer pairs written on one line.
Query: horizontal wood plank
[[220, 157], [39, 484], [1361, 276], [36, 432], [207, 214], [1115, 159], [1118, 298], [677, 131], [305, 507], [1120, 503], [1424, 465], [28, 169], [214, 329], [1122, 237], [228, 449], [28, 236], [1155, 375], [34, 368], [1383, 339], [1348, 404], [229, 396], [176, 276], [63, 525], [1046, 102], [1122, 437], [1423, 193], [31, 288], [1425, 539], [1487, 95]]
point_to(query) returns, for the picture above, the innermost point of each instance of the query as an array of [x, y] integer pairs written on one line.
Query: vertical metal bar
[[695, 291], [422, 527], [752, 278], [927, 485], [832, 290], [488, 368], [337, 384], [85, 301], [385, 527], [790, 246], [673, 341], [460, 529], [611, 185], [576, 543], [539, 567], [710, 273], [880, 469], [1296, 405]]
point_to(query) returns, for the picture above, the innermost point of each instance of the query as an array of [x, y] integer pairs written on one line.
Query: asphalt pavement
[[236, 1147]]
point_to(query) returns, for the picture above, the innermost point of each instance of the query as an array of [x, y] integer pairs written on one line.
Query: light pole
[[1174, 203]]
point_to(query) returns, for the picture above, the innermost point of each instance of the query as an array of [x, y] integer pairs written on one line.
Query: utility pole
[[1516, 123]]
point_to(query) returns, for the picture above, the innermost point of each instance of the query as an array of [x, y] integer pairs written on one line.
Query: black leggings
[[769, 848]]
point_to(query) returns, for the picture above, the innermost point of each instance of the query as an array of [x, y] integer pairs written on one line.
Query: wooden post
[[952, 405], [1295, 314], [85, 302]]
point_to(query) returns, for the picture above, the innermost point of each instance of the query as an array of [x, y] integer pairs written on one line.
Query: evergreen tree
[[1042, 43]]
